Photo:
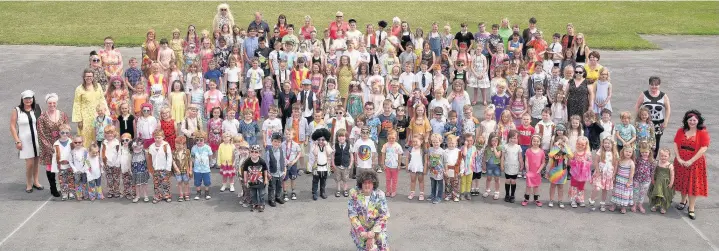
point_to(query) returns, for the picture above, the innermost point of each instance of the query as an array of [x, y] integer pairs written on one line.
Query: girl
[[458, 97], [332, 96], [504, 126], [140, 175], [581, 164], [158, 100], [436, 160], [518, 105], [79, 164], [249, 127], [534, 166], [492, 157], [607, 124], [488, 125], [239, 155], [109, 154], [454, 161], [344, 74], [401, 127], [557, 173], [225, 160], [317, 80], [473, 161], [391, 157], [417, 163], [178, 101], [126, 121], [214, 129], [212, 97], [125, 157], [375, 79], [377, 97], [232, 101], [460, 73], [117, 94], [175, 73], [251, 104], [510, 164], [139, 97], [268, 97], [355, 100], [233, 74], [498, 58], [500, 100], [575, 131], [622, 195], [230, 126], [660, 191], [603, 178], [419, 125], [645, 166], [182, 167], [197, 96], [645, 129], [61, 157], [603, 92], [94, 174], [559, 108], [168, 126], [146, 124]]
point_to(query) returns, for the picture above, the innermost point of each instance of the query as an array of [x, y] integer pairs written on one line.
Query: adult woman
[[505, 32], [87, 97], [580, 98], [690, 144], [368, 213], [111, 58], [568, 39], [48, 127], [307, 29], [659, 108], [191, 38], [23, 127], [223, 16], [581, 50], [98, 71], [593, 68], [281, 25], [150, 48]]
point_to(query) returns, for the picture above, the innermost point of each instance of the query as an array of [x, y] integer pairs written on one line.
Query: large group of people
[[266, 103]]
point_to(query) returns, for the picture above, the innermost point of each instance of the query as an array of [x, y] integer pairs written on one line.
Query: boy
[[452, 126], [387, 122], [159, 163], [133, 75], [110, 153], [61, 166], [469, 123], [292, 155], [606, 123], [343, 160], [555, 50], [213, 74], [525, 137], [190, 125], [417, 99], [101, 121], [423, 80], [395, 98], [255, 175], [201, 153], [322, 154], [538, 78], [277, 169], [340, 121], [437, 123], [317, 123], [440, 101], [299, 73], [270, 126], [372, 121], [307, 99], [290, 54], [290, 37], [545, 129], [592, 130], [254, 79], [365, 151], [537, 103], [282, 74], [406, 79], [300, 129]]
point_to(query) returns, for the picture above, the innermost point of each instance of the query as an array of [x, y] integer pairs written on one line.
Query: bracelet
[[17, 142]]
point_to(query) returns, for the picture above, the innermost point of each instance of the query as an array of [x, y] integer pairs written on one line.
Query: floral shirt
[[644, 171], [368, 213]]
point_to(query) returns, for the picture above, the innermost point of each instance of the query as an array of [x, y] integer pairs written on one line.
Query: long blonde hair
[[603, 153]]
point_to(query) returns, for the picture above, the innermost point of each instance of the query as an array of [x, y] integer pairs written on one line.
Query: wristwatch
[[17, 142]]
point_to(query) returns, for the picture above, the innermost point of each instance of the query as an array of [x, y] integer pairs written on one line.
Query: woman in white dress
[[23, 127], [478, 77]]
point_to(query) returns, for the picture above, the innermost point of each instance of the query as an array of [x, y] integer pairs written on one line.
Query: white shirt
[[161, 159], [233, 74], [354, 56], [364, 149], [95, 169], [354, 35], [189, 126], [306, 109], [406, 79], [379, 36], [145, 127], [231, 127], [112, 152], [78, 159], [271, 126], [255, 76], [444, 104], [322, 160], [427, 82], [556, 48], [64, 155], [125, 159]]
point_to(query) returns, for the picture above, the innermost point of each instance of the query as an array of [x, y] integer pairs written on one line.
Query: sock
[[526, 196], [536, 197], [506, 189], [513, 188]]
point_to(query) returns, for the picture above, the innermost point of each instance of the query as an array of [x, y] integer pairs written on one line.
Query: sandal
[[653, 209], [692, 215], [411, 195], [187, 197], [682, 206], [662, 211]]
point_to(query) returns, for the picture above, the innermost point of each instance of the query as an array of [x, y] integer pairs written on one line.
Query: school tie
[[424, 80]]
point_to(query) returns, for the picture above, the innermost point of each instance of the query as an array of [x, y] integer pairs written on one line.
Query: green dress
[[660, 193]]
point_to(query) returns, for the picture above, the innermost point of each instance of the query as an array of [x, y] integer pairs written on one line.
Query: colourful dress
[[622, 195], [354, 104], [83, 110], [140, 175], [205, 58], [368, 213], [643, 175], [534, 160], [168, 127], [660, 194], [343, 81], [197, 97], [178, 106], [111, 61], [605, 179], [558, 164], [214, 135], [458, 103], [48, 133], [115, 100], [691, 180], [268, 99]]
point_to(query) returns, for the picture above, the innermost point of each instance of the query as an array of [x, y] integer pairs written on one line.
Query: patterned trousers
[[451, 187], [95, 189], [112, 175], [81, 186], [128, 187], [640, 192], [576, 191], [161, 181], [67, 181]]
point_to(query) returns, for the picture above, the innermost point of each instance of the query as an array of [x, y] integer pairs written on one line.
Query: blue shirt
[[251, 44], [133, 75], [373, 124], [201, 158], [213, 75], [437, 126]]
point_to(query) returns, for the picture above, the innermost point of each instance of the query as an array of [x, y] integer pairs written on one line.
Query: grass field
[[607, 25]]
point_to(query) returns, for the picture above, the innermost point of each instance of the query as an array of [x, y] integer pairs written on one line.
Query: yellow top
[[224, 154]]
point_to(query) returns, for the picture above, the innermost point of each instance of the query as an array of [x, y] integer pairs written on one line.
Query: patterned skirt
[[227, 171], [622, 195], [558, 175], [140, 176]]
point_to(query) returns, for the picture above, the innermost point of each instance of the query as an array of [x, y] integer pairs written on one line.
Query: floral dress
[[604, 179], [140, 175], [48, 133], [354, 104], [368, 213], [116, 98], [83, 110], [214, 127], [111, 61]]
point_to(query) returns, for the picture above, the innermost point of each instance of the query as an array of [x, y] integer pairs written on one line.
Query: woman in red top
[[690, 144], [307, 29], [282, 25]]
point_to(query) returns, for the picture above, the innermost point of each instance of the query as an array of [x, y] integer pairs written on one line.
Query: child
[[140, 174], [606, 123], [178, 101], [395, 97], [267, 96], [458, 97], [660, 191], [117, 94], [471, 169], [344, 160], [390, 159], [125, 160], [340, 121], [377, 97], [182, 167], [231, 126], [622, 194], [110, 153], [355, 100], [159, 156], [78, 163], [191, 124], [545, 129], [559, 108], [240, 154], [574, 131], [292, 155], [440, 101], [581, 164], [625, 133], [469, 123], [559, 154], [365, 151], [277, 169], [270, 126], [94, 174], [224, 160], [603, 178], [356, 131], [232, 101], [101, 121], [300, 129], [603, 92], [488, 125], [416, 99], [504, 126], [537, 104], [518, 105], [437, 123], [321, 153], [387, 120], [453, 163], [158, 101], [251, 104], [285, 100], [510, 163], [492, 158], [500, 100], [643, 175], [214, 127], [525, 137], [592, 130], [61, 157], [133, 75], [534, 164], [168, 126], [201, 154], [255, 177], [453, 127], [644, 128], [213, 98], [435, 161], [125, 121], [138, 98]]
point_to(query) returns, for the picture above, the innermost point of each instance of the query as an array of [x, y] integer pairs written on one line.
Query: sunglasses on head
[[145, 110]]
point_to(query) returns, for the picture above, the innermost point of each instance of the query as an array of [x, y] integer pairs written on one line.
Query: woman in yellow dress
[[84, 108], [177, 45]]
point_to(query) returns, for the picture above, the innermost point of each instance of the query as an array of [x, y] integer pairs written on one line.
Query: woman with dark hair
[[88, 96], [48, 127], [111, 58], [580, 98], [23, 128], [368, 213], [98, 71], [659, 108], [690, 144]]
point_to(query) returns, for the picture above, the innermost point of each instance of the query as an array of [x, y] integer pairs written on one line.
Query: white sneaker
[[456, 199], [486, 193], [574, 204], [551, 204], [379, 170], [222, 189], [232, 187]]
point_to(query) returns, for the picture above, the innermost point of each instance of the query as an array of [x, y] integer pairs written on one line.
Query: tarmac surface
[[36, 221]]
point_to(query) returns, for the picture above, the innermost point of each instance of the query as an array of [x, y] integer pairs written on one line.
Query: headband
[[51, 97], [691, 114]]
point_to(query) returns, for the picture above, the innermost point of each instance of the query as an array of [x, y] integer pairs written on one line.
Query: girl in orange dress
[[252, 103], [111, 59], [117, 94]]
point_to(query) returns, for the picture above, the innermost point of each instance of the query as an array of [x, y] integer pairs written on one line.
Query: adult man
[[338, 24], [259, 24]]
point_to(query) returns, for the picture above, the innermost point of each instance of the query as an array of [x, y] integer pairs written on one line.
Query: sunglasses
[[64, 132], [126, 140], [254, 151], [146, 110], [78, 142], [96, 60], [223, 9], [579, 72]]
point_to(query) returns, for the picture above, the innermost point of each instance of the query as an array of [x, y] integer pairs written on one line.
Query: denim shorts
[[493, 170], [202, 178], [182, 178], [291, 173]]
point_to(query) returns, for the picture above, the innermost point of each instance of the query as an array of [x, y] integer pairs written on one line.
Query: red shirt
[[334, 27], [525, 135]]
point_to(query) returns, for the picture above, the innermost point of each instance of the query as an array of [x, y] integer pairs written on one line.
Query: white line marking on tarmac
[[689, 222], [26, 220]]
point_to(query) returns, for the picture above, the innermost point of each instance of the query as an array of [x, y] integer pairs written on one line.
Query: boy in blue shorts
[[201, 153], [292, 155]]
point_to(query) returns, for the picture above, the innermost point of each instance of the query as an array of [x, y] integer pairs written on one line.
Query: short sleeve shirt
[[201, 158]]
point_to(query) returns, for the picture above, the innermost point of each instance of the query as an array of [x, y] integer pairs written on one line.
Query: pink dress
[[213, 98], [534, 162], [214, 135]]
